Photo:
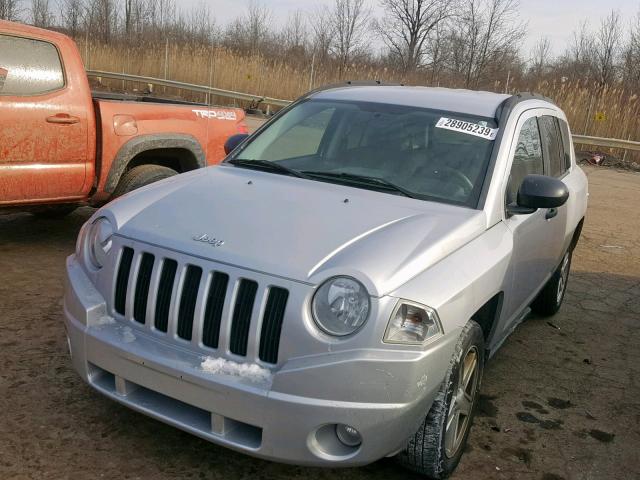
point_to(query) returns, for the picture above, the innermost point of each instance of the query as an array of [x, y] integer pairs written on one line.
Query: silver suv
[[330, 293]]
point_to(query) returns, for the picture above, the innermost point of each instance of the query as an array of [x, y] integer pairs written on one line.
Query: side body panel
[[533, 243], [538, 242], [47, 140]]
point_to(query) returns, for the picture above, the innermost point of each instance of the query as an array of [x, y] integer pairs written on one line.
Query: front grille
[[174, 292]]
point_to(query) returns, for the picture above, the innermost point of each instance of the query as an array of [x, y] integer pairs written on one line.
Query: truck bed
[[128, 97]]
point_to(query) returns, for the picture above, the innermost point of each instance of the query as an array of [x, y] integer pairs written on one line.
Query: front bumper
[[271, 419]]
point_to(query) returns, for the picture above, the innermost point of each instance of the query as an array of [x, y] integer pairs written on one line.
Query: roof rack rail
[[352, 83], [506, 106]]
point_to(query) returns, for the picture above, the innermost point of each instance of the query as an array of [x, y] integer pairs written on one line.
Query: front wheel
[[550, 298], [437, 446], [140, 176]]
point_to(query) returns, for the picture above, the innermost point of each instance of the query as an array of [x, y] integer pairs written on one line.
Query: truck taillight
[[242, 127]]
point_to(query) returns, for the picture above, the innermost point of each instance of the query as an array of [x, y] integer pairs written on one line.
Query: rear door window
[[29, 67], [552, 145], [566, 143]]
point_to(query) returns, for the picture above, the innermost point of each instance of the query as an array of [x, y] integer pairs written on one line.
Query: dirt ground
[[561, 400]]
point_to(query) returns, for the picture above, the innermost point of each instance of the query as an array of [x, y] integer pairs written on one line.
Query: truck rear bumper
[[166, 381]]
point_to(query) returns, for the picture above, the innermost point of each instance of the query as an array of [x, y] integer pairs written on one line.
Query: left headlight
[[341, 306], [98, 241], [412, 324]]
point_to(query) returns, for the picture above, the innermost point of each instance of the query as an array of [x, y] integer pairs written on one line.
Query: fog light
[[348, 435]]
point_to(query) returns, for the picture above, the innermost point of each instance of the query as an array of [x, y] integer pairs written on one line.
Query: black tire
[[140, 176], [53, 211], [427, 452], [550, 298]]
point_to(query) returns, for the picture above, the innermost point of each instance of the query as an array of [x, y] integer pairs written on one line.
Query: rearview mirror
[[539, 191], [233, 141]]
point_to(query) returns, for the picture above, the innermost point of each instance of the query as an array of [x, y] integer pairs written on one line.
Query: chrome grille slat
[[256, 321], [198, 315], [178, 285]]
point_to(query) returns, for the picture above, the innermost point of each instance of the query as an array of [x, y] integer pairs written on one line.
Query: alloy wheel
[[459, 416]]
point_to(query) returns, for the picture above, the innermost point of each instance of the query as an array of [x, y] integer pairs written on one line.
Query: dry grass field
[[610, 112]]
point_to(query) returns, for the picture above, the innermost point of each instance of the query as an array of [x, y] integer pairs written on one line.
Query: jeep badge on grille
[[204, 238]]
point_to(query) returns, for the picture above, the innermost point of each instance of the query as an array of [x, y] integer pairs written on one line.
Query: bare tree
[[407, 26], [10, 9], [71, 14], [201, 24], [631, 62], [349, 21], [102, 18], [40, 13], [294, 33], [485, 32], [257, 20], [581, 45], [540, 57], [321, 35], [606, 49]]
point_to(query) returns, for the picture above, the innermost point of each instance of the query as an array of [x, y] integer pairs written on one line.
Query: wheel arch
[[576, 235], [487, 317], [177, 151]]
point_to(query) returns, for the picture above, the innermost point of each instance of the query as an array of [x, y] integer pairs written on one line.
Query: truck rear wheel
[[437, 446], [140, 176]]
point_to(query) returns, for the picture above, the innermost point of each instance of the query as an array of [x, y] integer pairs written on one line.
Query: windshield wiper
[[363, 180], [267, 165]]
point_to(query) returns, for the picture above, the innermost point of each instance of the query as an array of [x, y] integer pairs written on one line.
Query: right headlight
[[341, 306], [412, 324]]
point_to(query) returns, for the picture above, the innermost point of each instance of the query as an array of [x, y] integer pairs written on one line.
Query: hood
[[299, 229]]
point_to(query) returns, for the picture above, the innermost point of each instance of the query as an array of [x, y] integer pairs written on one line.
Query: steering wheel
[[462, 180]]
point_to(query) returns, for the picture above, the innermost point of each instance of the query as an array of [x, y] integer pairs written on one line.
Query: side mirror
[[539, 191], [233, 141]]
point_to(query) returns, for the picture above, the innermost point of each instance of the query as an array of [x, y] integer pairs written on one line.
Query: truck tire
[[437, 446], [140, 176], [550, 298]]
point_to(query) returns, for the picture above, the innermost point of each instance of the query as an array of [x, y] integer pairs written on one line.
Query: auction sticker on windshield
[[469, 128]]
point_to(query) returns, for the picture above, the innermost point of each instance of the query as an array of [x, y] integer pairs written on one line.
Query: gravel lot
[[561, 400]]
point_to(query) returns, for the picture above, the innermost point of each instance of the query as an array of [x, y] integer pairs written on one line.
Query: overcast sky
[[556, 19]]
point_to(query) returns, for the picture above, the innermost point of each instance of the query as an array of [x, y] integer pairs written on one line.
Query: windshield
[[416, 152]]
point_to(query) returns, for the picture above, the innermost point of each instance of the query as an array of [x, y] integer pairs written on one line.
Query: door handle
[[552, 212], [63, 119]]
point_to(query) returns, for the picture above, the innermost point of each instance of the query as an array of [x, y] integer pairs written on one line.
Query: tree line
[[464, 43]]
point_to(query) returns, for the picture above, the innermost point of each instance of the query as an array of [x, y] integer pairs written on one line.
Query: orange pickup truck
[[62, 145]]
